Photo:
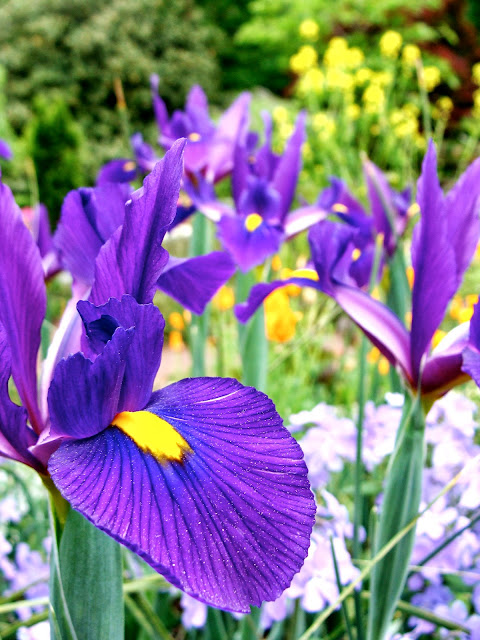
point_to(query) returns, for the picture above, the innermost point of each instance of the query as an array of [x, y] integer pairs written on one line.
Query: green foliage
[[80, 48], [273, 28], [54, 144]]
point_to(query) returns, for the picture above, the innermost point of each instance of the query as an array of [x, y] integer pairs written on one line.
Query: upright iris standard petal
[[433, 260], [249, 244], [194, 281], [288, 168], [141, 359], [85, 395], [15, 436], [89, 218], [224, 512], [22, 300], [133, 258]]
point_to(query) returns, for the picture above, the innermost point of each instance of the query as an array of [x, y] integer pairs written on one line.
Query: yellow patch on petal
[[304, 273], [253, 221], [341, 208], [129, 166], [194, 137], [356, 253], [153, 435]]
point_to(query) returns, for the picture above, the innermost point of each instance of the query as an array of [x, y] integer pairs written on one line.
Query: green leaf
[[86, 583], [400, 505]]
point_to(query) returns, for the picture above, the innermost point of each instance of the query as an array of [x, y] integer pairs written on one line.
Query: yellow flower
[[308, 29], [276, 263], [364, 75], [430, 77], [175, 341], [382, 78], [390, 44], [354, 57], [324, 125], [353, 111], [280, 114], [224, 299], [383, 366], [280, 319], [373, 98], [305, 59], [312, 80], [476, 73], [175, 319], [338, 79], [410, 54]]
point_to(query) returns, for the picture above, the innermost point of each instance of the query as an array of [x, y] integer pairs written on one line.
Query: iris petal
[[15, 436], [22, 300], [230, 524], [194, 281], [142, 358]]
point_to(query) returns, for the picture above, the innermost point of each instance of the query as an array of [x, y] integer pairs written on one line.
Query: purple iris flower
[[263, 185], [36, 219], [90, 216], [443, 244], [388, 216], [200, 478], [210, 147]]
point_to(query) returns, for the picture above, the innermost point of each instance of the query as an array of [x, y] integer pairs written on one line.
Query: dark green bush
[[79, 48], [54, 143]]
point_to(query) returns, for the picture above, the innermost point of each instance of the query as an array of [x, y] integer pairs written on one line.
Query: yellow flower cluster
[[476, 73], [339, 54], [280, 318], [224, 299], [305, 59], [430, 77], [461, 309], [177, 322], [309, 30], [390, 44], [405, 121], [410, 55]]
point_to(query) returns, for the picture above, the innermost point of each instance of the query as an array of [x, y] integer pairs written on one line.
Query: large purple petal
[[462, 207], [471, 354], [231, 523], [248, 248], [22, 301], [84, 396], [232, 127], [288, 168], [194, 281], [142, 359], [379, 324], [15, 435], [433, 260], [89, 218], [133, 259]]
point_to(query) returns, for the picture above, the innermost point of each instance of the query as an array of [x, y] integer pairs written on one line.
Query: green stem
[[200, 244], [252, 338], [400, 506]]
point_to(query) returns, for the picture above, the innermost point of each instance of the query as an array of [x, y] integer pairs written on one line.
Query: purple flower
[[91, 216], [263, 186], [443, 244], [210, 147], [200, 479]]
